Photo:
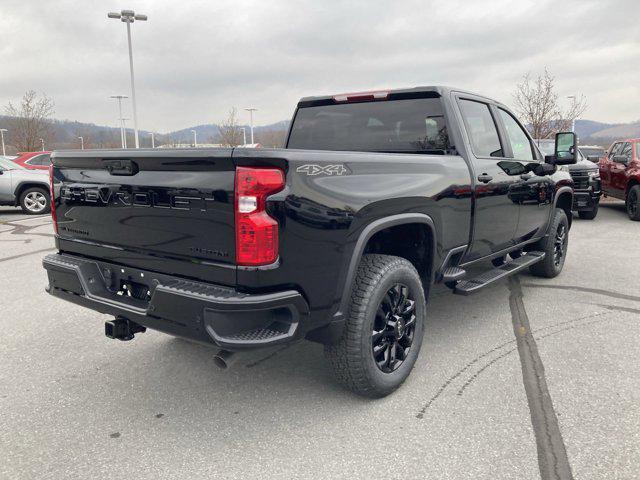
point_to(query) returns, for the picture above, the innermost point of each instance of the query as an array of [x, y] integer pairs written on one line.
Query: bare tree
[[230, 132], [30, 121], [537, 104], [271, 138]]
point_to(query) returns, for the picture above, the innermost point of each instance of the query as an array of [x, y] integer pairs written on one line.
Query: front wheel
[[589, 214], [383, 332], [633, 203], [35, 201], [554, 245]]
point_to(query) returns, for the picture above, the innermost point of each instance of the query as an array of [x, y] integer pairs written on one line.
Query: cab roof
[[384, 93]]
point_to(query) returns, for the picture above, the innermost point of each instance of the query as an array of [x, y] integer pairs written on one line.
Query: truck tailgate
[[168, 211]]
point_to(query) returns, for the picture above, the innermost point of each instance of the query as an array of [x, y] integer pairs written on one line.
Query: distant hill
[[210, 133], [598, 133], [65, 134]]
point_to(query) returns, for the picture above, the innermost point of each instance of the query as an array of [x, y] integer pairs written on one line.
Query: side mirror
[[593, 158], [566, 148], [621, 159], [542, 169]]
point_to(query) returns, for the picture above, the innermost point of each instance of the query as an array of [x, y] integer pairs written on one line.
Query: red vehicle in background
[[620, 174], [34, 160]]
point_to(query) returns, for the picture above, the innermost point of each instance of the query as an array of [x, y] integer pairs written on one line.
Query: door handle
[[485, 178]]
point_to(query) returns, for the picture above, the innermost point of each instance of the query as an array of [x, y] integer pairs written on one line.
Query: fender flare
[[29, 183], [559, 192], [348, 274]]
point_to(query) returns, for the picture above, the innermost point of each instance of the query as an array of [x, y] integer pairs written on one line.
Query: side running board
[[467, 287]]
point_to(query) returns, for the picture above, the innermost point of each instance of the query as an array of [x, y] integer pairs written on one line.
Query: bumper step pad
[[197, 310]]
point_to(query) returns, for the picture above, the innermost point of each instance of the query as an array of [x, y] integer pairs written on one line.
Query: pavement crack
[[13, 257], [552, 454], [576, 288], [572, 324]]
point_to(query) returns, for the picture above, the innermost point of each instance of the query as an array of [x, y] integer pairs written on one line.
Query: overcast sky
[[195, 60]]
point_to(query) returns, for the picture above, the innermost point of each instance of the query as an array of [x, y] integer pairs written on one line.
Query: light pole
[[195, 138], [128, 17], [251, 110], [244, 135], [573, 120], [81, 143], [120, 97], [42, 143], [124, 129], [153, 141], [2, 130]]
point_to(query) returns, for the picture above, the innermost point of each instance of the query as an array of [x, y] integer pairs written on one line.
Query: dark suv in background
[[586, 178]]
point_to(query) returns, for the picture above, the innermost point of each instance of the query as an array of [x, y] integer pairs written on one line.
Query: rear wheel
[[589, 214], [554, 245], [383, 333], [35, 201], [633, 208]]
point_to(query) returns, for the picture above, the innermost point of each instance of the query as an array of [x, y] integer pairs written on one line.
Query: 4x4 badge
[[312, 169]]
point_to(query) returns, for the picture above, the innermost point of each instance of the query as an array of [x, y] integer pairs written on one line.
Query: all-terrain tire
[[633, 203], [554, 245], [589, 214], [353, 358]]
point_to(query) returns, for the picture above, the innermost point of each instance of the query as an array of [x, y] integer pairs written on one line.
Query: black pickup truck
[[336, 238]]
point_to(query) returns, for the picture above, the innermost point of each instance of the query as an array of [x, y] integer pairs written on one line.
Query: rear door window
[[481, 128]]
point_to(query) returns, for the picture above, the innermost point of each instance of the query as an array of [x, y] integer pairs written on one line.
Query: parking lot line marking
[[552, 453]]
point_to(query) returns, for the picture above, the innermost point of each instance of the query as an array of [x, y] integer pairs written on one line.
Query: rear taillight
[[256, 231], [52, 200]]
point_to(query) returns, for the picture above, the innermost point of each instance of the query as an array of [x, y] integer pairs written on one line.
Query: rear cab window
[[398, 125]]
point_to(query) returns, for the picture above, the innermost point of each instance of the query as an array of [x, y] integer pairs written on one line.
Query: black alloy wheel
[[393, 328], [560, 245]]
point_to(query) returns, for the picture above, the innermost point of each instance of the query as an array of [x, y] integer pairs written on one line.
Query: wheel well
[[565, 202], [412, 241], [632, 182], [23, 186]]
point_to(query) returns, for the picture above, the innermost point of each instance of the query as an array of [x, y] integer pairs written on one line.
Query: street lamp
[[42, 143], [81, 143], [195, 138], [573, 120], [128, 17], [124, 128], [122, 137], [251, 110], [153, 141], [2, 130]]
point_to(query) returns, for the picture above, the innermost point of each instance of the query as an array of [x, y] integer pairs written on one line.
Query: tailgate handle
[[121, 167]]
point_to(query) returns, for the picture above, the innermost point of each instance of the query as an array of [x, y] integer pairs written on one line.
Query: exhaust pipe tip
[[222, 359]]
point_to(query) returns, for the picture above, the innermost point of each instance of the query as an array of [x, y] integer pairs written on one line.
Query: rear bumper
[[199, 311], [585, 199]]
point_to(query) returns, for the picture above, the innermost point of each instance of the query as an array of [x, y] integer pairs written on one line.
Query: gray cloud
[[195, 60]]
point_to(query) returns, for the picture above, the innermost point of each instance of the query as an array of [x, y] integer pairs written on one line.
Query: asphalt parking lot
[[531, 378]]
